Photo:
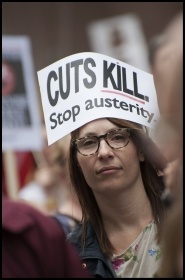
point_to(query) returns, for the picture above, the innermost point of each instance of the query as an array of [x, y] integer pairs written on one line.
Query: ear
[[141, 156]]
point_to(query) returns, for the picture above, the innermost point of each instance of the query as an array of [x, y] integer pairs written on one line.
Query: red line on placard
[[115, 92]]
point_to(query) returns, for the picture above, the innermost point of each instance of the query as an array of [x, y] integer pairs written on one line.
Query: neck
[[126, 220], [126, 209]]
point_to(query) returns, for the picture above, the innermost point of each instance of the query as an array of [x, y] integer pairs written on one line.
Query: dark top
[[35, 246], [67, 222], [92, 256]]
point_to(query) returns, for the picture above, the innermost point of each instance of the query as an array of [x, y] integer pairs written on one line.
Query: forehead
[[97, 126]]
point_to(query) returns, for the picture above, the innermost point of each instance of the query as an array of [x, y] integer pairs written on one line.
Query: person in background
[[68, 212], [166, 59], [114, 168], [35, 246], [43, 191], [51, 191]]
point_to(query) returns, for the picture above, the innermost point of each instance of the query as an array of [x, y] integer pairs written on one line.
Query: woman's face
[[109, 169]]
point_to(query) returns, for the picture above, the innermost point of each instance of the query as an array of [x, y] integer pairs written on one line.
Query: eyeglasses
[[116, 139]]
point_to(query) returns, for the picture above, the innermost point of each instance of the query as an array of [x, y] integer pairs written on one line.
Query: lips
[[107, 169]]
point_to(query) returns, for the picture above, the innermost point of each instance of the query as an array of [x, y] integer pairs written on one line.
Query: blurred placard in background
[[21, 122], [121, 37]]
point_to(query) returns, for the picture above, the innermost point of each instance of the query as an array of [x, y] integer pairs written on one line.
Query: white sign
[[87, 86], [21, 125], [121, 37]]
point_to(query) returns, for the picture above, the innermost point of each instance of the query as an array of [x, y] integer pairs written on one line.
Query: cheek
[[87, 168], [132, 151], [86, 165], [132, 157]]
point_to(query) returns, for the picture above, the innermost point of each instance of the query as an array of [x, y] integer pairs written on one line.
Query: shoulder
[[17, 217], [30, 232], [75, 238], [67, 222], [75, 235], [37, 242], [77, 232]]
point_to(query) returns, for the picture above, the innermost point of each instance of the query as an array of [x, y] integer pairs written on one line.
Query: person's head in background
[[166, 57], [53, 176], [51, 186], [58, 158], [54, 156], [67, 201]]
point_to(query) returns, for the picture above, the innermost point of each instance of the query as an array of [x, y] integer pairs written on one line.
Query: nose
[[104, 149]]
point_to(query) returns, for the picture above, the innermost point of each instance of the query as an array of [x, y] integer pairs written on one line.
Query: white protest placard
[[121, 37], [87, 86], [21, 125]]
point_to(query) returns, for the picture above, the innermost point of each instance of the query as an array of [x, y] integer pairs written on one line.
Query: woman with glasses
[[115, 169]]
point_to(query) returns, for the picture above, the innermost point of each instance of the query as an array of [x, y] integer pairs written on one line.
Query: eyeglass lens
[[116, 139]]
